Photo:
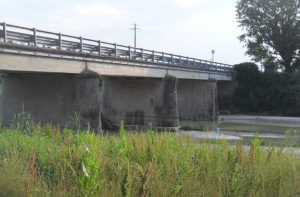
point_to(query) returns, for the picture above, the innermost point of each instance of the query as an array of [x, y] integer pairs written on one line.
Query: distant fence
[[13, 34]]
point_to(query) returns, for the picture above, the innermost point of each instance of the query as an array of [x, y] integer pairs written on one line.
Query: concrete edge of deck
[[39, 62]]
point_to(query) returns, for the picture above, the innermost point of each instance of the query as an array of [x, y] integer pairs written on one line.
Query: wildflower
[[84, 170], [86, 148]]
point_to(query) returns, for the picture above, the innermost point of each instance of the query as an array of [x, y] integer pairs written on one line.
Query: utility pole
[[212, 55], [134, 29]]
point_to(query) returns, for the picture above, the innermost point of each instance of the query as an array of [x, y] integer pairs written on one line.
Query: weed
[[22, 122]]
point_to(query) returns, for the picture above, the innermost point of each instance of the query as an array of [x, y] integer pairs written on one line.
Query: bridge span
[[54, 75]]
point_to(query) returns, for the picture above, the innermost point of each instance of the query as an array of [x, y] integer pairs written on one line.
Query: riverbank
[[261, 120], [273, 130]]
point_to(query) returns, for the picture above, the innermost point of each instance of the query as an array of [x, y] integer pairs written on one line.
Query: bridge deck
[[23, 44]]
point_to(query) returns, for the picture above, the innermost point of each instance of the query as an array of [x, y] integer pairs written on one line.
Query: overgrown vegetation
[[269, 93], [36, 161]]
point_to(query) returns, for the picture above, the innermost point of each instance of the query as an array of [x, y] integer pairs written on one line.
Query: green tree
[[270, 30]]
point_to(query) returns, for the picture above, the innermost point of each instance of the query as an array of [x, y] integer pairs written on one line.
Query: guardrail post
[[142, 52], [152, 56], [81, 44], [187, 60], [179, 60], [99, 47], [59, 42], [171, 58], [162, 57], [129, 52], [4, 32], [115, 49], [34, 37]]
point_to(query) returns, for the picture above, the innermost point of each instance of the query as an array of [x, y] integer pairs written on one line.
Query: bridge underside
[[139, 102]]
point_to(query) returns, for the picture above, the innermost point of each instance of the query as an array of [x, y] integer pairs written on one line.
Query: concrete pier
[[51, 98], [140, 102], [195, 99]]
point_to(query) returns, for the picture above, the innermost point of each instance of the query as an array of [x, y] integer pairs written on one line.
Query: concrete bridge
[[53, 75]]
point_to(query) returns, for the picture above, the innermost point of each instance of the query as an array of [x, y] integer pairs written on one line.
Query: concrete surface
[[51, 98], [211, 135], [38, 62], [263, 120], [231, 135], [195, 99], [54, 86], [140, 101]]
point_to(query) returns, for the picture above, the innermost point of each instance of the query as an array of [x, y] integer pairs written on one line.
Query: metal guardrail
[[17, 35]]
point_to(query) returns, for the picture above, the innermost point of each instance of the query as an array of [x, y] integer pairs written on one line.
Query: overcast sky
[[184, 27]]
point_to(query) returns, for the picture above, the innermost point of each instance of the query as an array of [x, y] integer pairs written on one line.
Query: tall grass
[[49, 162]]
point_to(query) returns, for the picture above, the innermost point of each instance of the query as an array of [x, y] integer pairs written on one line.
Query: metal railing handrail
[[16, 34]]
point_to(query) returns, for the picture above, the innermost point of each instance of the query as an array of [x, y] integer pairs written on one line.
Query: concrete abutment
[[141, 102], [51, 98]]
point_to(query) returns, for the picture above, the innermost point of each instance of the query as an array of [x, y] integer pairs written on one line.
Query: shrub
[[268, 93]]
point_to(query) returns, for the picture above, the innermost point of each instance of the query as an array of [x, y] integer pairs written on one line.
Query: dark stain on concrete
[[158, 110], [151, 101], [135, 118]]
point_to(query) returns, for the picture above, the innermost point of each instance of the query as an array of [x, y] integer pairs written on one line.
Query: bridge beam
[[195, 99], [51, 98], [140, 102]]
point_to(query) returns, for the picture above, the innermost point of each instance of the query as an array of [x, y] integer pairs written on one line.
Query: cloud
[[185, 27], [98, 10], [188, 2], [95, 20], [199, 33]]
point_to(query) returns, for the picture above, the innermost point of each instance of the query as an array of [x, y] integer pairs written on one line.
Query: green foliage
[[272, 93], [78, 124], [271, 29], [140, 164], [201, 127], [256, 142], [76, 120], [291, 138], [247, 77]]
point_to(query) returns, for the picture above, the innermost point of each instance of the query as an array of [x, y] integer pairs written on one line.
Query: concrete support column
[[140, 102], [195, 99], [51, 98]]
